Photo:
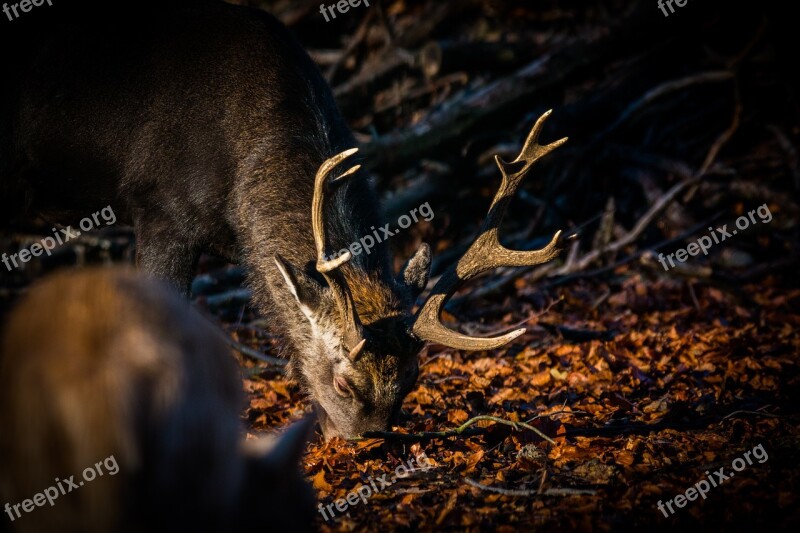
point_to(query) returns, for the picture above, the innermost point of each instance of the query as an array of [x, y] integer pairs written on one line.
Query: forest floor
[[651, 386]]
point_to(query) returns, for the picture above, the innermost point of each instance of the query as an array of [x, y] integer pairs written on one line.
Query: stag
[[209, 129], [364, 353]]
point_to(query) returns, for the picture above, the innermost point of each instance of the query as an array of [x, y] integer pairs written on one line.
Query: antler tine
[[487, 253], [531, 152], [318, 209], [328, 268]]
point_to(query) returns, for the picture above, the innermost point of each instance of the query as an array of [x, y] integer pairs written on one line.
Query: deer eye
[[342, 387]]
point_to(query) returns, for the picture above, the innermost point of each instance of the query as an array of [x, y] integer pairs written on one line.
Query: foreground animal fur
[[108, 369]]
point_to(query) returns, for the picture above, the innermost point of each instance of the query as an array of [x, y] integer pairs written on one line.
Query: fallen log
[[438, 58], [553, 69]]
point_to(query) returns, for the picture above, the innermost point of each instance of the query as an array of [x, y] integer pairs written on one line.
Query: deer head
[[364, 339], [361, 353]]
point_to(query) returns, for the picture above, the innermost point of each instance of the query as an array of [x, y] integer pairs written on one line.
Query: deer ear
[[417, 270], [306, 290]]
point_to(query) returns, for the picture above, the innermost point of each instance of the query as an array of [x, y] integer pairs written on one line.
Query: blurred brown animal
[[106, 370]]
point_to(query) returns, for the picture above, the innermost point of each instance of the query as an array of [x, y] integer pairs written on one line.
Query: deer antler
[[487, 253], [353, 331]]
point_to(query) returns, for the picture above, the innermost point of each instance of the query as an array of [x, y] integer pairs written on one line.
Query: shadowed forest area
[[662, 344]]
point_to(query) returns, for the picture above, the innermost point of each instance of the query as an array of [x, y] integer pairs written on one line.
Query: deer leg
[[162, 251]]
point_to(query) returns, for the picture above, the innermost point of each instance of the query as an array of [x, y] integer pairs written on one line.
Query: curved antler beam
[[486, 253], [353, 331]]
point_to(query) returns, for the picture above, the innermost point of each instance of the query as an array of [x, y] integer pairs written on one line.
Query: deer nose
[[329, 430]]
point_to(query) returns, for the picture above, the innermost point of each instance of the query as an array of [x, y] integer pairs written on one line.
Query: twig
[[756, 413], [745, 51], [562, 412], [232, 298], [325, 57], [357, 38], [688, 182], [498, 490], [449, 378], [642, 224], [541, 481], [719, 143], [434, 358], [515, 425], [569, 492], [695, 301], [579, 334], [511, 327], [525, 320], [761, 270], [643, 428], [292, 12], [663, 90], [724, 137], [387, 26], [429, 88], [249, 352], [460, 430], [610, 268], [525, 492], [351, 94]]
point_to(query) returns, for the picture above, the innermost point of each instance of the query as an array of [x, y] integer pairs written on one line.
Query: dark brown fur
[[203, 125]]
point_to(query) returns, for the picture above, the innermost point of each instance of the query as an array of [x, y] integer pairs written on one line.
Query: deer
[[120, 406], [229, 141]]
